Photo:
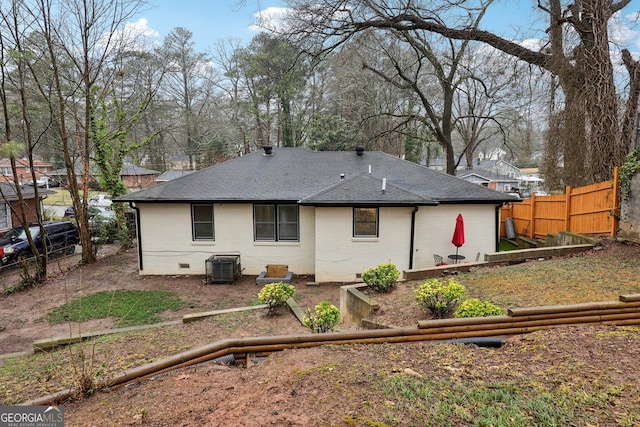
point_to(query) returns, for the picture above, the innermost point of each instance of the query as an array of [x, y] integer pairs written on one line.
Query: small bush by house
[[275, 295], [324, 319], [439, 296], [381, 278]]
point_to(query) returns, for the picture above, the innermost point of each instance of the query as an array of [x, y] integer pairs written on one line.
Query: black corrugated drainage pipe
[[491, 342]]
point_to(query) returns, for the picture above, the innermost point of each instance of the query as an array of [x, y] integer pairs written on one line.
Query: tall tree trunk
[[573, 133], [629, 133], [595, 63]]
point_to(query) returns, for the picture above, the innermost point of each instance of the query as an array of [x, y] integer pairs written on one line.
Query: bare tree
[[80, 37], [187, 85], [17, 109], [593, 143]]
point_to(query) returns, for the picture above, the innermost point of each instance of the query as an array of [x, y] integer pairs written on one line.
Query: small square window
[[365, 222]]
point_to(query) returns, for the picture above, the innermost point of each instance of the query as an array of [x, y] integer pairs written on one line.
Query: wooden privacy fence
[[592, 209]]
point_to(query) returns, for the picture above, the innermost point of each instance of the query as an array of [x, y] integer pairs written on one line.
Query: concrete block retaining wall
[[354, 304]]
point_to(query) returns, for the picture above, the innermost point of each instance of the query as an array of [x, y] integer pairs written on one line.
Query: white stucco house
[[328, 214]]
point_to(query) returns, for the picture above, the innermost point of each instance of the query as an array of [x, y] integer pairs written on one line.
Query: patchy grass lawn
[[130, 307], [601, 275]]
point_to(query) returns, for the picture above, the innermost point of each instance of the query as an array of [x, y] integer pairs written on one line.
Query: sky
[[213, 21], [210, 21]]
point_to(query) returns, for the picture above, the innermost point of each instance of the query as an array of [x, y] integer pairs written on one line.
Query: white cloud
[[623, 32], [270, 19], [135, 36]]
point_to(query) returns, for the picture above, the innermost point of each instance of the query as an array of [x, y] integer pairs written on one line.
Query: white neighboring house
[[490, 180], [328, 214]]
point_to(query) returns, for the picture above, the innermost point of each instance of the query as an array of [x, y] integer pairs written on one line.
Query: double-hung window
[[276, 223], [365, 222], [202, 222]]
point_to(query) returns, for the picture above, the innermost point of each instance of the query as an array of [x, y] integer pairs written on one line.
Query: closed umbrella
[[458, 235]]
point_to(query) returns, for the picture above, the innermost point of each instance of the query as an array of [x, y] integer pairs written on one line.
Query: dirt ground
[[21, 313], [323, 386]]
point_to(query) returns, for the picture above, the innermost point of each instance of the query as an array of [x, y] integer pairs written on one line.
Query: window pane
[[264, 222], [366, 214], [288, 222], [203, 230], [264, 213], [365, 222], [202, 222], [201, 213], [288, 213], [288, 232], [266, 231]]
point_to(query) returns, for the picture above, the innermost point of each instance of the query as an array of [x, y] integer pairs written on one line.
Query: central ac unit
[[223, 268]]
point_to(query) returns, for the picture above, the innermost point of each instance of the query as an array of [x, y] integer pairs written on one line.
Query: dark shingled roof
[[8, 192], [310, 177]]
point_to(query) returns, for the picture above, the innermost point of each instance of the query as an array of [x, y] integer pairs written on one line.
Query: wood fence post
[[532, 220], [567, 209], [615, 212]]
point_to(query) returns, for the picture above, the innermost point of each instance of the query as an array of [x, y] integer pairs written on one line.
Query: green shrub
[[473, 307], [324, 319], [439, 296], [275, 295], [381, 278]]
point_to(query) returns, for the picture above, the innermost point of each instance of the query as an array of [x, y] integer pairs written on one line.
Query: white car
[[101, 200]]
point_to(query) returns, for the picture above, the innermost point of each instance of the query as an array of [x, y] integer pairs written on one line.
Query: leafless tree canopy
[[593, 138]]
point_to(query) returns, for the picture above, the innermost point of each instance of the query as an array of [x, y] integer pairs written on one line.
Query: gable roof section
[[365, 190], [299, 174]]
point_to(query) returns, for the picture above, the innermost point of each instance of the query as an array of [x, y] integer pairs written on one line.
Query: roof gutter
[[413, 234]]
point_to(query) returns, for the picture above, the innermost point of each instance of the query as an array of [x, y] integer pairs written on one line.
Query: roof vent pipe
[[359, 150], [341, 177], [267, 150], [384, 185]]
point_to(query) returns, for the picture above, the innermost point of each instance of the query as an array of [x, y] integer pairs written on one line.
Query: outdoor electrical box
[[223, 268]]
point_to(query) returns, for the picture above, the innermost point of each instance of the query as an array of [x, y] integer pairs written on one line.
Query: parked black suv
[[62, 236]]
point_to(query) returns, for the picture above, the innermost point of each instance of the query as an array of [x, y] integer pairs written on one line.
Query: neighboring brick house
[[23, 169], [136, 177]]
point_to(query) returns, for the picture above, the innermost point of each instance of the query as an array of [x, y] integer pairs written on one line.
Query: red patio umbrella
[[458, 234]]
